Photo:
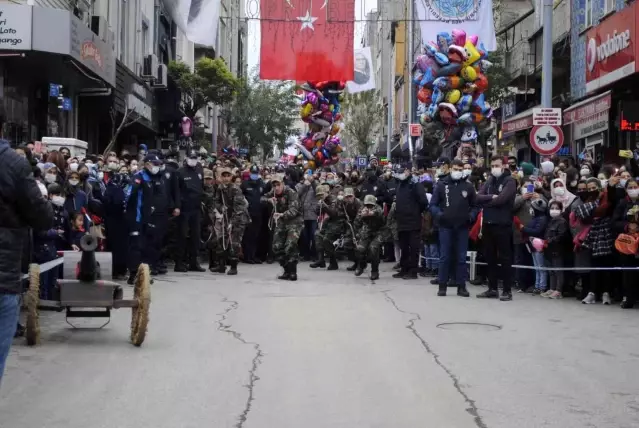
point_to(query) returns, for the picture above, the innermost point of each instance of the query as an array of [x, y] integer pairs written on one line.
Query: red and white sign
[[590, 107], [514, 125], [546, 116], [415, 130], [610, 49], [546, 139]]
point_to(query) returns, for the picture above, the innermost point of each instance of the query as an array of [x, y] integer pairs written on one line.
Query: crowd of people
[[564, 225]]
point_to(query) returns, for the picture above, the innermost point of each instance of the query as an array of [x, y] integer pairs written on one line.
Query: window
[[609, 6], [123, 23], [589, 8], [145, 39]]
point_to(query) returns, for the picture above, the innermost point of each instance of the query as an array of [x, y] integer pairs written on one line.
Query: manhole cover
[[472, 326]]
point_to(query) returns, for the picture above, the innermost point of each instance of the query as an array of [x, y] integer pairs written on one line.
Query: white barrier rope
[[45, 267], [584, 268]]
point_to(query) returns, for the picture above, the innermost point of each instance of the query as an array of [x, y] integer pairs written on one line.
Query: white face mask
[[154, 170], [584, 172], [401, 177], [74, 182], [134, 168], [496, 172], [524, 190], [112, 166], [559, 191], [633, 193], [555, 213], [100, 176], [58, 201], [89, 164], [50, 178], [467, 172], [73, 166], [340, 197], [191, 162], [622, 182], [456, 175], [573, 183], [604, 182]]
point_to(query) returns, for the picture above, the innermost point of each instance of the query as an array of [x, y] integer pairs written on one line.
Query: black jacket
[[191, 189], [146, 202], [22, 206], [389, 187], [172, 185], [452, 202], [253, 191], [372, 186], [411, 202], [499, 210]]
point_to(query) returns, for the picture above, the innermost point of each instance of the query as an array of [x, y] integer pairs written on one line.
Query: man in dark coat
[[22, 207], [191, 194], [253, 189]]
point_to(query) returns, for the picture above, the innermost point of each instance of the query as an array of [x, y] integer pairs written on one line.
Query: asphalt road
[[330, 351]]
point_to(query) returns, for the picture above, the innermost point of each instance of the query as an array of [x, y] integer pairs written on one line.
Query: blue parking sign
[[361, 160]]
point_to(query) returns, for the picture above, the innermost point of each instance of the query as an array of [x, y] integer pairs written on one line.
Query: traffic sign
[[361, 160], [415, 130], [547, 116], [546, 139]]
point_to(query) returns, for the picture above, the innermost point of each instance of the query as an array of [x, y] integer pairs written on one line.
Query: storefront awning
[[588, 107], [518, 122]]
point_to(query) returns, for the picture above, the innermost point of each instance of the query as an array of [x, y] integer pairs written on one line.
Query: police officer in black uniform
[[146, 202], [191, 191], [253, 189]]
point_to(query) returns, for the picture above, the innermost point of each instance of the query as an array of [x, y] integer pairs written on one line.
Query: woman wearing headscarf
[[559, 192]]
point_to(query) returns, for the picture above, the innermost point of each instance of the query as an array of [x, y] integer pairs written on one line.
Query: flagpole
[[409, 59]]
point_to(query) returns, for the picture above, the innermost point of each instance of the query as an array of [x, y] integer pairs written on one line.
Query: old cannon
[[87, 295]]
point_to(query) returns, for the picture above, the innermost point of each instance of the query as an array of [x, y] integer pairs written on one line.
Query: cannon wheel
[[32, 299], [140, 314]]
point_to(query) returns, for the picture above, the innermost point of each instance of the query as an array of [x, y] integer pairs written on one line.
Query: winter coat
[[536, 227], [22, 206], [308, 201], [411, 202], [523, 210], [620, 218], [452, 202], [556, 236], [498, 211]]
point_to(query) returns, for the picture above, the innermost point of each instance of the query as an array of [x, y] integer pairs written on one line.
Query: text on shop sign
[[6, 31]]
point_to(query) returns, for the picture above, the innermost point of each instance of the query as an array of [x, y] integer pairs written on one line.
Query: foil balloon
[[312, 99], [418, 75], [472, 54], [457, 54], [459, 37], [425, 95], [481, 83], [468, 73], [453, 96], [444, 40], [437, 96], [447, 83], [306, 111], [464, 103], [450, 69], [304, 151], [479, 104], [424, 119], [473, 39]]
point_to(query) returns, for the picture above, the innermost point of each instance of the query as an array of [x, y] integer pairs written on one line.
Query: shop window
[[609, 6], [589, 10]]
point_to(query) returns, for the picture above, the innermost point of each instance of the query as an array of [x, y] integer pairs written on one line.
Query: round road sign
[[546, 139]]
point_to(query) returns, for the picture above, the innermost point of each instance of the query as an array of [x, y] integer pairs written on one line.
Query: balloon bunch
[[320, 108], [452, 81]]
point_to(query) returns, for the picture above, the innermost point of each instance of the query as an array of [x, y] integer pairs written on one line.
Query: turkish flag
[[307, 40]]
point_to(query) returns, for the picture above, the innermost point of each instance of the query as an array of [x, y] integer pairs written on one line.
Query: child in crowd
[[77, 231], [555, 237], [536, 228], [430, 237]]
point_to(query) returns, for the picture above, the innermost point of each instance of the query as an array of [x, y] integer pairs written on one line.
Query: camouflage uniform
[[352, 205], [391, 224], [331, 228], [371, 236], [286, 228], [231, 203], [208, 200]]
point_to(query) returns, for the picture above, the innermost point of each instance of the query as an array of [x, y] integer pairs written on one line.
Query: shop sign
[[141, 108], [590, 125], [514, 125], [15, 27], [590, 107], [93, 53], [610, 49]]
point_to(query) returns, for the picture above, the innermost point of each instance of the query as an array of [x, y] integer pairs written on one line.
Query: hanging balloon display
[[451, 81], [320, 108]]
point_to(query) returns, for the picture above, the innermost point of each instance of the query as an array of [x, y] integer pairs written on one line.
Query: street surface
[[330, 351]]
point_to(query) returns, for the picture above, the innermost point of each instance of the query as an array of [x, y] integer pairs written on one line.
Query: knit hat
[[527, 168]]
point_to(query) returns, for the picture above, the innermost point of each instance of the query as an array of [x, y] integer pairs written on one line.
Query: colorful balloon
[[452, 96], [444, 40], [459, 37], [425, 95], [472, 54]]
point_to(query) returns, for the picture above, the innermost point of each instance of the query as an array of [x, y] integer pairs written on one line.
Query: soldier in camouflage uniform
[[371, 236], [208, 200], [391, 226], [330, 228], [231, 208], [352, 205], [287, 222]]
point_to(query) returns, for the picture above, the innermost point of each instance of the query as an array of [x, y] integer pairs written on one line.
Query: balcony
[[518, 53]]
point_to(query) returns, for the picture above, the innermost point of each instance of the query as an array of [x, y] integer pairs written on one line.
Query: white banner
[[364, 79], [475, 17], [198, 19]]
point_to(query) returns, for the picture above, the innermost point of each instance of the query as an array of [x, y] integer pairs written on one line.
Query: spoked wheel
[[32, 300], [140, 314]]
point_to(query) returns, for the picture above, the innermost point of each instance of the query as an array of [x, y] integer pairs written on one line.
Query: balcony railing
[[518, 60]]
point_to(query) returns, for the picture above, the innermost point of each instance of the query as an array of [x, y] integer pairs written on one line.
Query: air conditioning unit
[[162, 78], [100, 27], [150, 67]]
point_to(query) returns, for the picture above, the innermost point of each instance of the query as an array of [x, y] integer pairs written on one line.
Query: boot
[[374, 271], [332, 264], [233, 270], [411, 274], [320, 263], [353, 267], [221, 267], [442, 291], [360, 268], [292, 272], [195, 267], [399, 274], [180, 267], [461, 291], [287, 272]]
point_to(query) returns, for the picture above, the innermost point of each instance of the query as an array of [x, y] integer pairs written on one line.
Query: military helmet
[[370, 200], [322, 191], [277, 178]]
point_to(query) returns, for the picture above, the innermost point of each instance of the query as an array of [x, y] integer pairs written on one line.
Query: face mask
[[154, 170], [584, 172], [100, 176], [112, 166], [387, 174], [401, 177], [74, 182], [604, 182], [340, 197], [633, 193], [134, 168], [162, 167], [466, 173], [50, 178], [583, 194], [439, 171], [73, 166], [58, 201], [330, 182], [456, 175], [622, 182], [254, 176], [496, 172], [555, 213], [191, 162], [559, 191], [593, 194], [573, 183], [524, 190]]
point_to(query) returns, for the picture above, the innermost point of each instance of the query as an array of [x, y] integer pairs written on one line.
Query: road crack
[[226, 327], [472, 406]]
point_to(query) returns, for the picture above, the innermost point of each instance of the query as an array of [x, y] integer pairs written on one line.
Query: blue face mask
[[254, 176]]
